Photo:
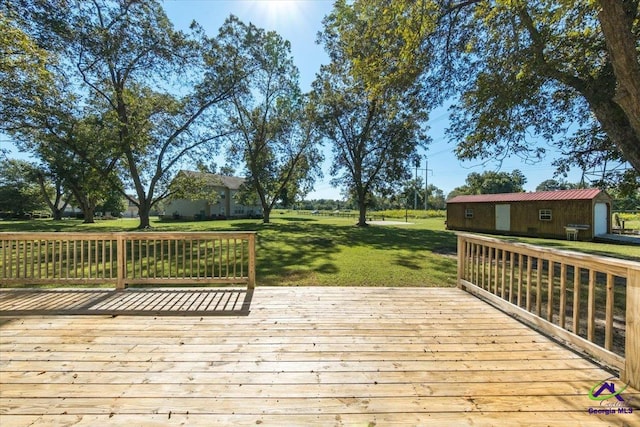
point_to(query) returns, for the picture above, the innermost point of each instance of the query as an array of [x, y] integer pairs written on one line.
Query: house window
[[544, 214], [468, 213]]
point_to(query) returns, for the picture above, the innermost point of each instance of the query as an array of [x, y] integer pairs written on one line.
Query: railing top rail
[[114, 235], [553, 253], [187, 234]]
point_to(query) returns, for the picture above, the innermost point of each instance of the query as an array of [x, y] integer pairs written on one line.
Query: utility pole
[[415, 193], [426, 181]]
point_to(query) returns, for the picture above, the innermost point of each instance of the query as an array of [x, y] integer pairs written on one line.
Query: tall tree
[[19, 193], [621, 30], [526, 74], [24, 65], [536, 70], [159, 86], [52, 189], [374, 121], [554, 185], [272, 132], [491, 182], [541, 67]]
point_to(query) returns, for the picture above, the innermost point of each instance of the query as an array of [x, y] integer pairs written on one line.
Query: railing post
[[252, 261], [461, 259], [631, 372], [121, 261]]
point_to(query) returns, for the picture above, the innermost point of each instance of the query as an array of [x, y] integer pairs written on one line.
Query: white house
[[225, 207]]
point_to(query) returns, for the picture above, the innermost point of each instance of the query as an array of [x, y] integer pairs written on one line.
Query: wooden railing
[[592, 302], [147, 258]]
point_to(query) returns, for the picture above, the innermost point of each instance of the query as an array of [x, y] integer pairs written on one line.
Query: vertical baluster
[[184, 258], [550, 290], [169, 260], [503, 275], [220, 258], [227, 267], [244, 246], [155, 258], [96, 242], [539, 265], [563, 294], [25, 270], [177, 258], [520, 277], [206, 258], [608, 331], [74, 259], [39, 251], [511, 275], [68, 255], [489, 267], [104, 258], [198, 248], [110, 274], [482, 266], [529, 271], [89, 260], [235, 258], [591, 309], [3, 245], [497, 275], [162, 269], [476, 265], [577, 283], [31, 258], [82, 258], [134, 257]]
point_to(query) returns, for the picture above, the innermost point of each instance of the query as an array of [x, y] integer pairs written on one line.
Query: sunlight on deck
[[287, 356]]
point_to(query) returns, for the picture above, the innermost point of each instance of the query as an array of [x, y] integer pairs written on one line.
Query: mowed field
[[306, 250]]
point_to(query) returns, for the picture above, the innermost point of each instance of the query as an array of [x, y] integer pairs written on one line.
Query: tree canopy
[[523, 75], [159, 89], [271, 130], [374, 125], [491, 182], [538, 71]]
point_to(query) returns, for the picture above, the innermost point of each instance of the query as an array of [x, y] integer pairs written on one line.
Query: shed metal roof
[[583, 194]]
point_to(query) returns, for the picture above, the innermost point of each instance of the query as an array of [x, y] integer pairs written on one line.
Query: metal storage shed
[[578, 214]]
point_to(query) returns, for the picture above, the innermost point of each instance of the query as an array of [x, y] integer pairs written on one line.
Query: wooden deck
[[286, 356]]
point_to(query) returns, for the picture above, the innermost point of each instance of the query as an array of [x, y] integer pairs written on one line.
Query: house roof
[[583, 194], [230, 182]]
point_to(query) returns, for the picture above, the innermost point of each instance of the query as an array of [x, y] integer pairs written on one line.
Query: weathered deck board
[[285, 356]]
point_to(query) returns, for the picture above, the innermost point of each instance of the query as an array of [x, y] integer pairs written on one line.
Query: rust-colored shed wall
[[525, 219]]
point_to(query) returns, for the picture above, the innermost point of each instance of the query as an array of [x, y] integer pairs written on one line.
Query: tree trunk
[[266, 215], [56, 214], [362, 209], [54, 205], [144, 213], [85, 203], [89, 214], [616, 124], [616, 19]]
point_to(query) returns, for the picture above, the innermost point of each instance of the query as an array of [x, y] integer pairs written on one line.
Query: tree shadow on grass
[[295, 250]]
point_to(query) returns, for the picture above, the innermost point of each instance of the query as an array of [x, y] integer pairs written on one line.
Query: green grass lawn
[[299, 250], [305, 250]]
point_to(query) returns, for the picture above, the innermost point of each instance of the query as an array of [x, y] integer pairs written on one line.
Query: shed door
[[600, 219], [503, 217]]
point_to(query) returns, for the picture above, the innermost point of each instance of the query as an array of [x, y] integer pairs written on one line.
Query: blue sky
[[299, 21]]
